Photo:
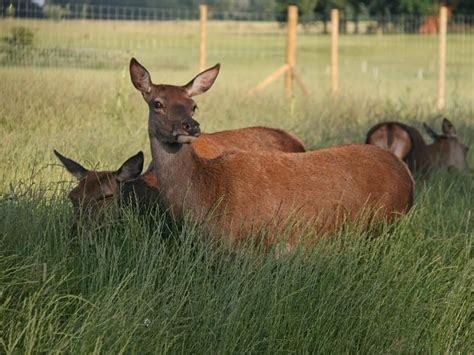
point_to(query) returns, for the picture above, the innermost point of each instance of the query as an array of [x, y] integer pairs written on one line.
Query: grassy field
[[140, 284]]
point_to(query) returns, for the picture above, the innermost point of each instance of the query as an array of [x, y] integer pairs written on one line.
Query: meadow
[[143, 284]]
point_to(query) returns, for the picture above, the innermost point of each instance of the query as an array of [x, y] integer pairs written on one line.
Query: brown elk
[[97, 189], [404, 141], [239, 193]]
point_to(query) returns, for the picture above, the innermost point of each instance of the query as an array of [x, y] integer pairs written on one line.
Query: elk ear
[[131, 169], [203, 81], [76, 169], [448, 128], [140, 77], [430, 131]]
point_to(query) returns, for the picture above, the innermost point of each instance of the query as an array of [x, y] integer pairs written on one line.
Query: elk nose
[[191, 126]]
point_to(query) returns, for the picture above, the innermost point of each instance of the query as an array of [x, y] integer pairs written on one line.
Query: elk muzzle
[[186, 131], [191, 127]]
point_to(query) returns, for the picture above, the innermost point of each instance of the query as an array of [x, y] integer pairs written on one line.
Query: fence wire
[[374, 52]]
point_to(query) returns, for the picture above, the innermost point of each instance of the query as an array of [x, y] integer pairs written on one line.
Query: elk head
[[449, 151], [97, 189], [171, 108]]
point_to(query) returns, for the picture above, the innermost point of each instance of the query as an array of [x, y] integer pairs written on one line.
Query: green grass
[[124, 288], [142, 284]]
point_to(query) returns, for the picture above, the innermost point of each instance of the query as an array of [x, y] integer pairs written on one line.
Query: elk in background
[[406, 142]]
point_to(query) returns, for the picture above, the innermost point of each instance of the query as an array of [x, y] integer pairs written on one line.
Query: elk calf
[[404, 141], [238, 193], [96, 190]]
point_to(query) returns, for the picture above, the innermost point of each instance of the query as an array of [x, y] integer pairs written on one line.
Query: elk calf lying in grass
[[97, 189], [446, 151], [238, 193]]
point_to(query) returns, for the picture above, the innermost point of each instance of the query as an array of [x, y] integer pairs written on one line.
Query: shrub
[[17, 45]]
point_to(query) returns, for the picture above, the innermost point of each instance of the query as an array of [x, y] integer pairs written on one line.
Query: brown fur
[[94, 191], [407, 143], [251, 191], [240, 192], [144, 190], [430, 25], [98, 188]]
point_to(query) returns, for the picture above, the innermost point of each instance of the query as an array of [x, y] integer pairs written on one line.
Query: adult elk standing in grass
[[404, 141], [239, 193], [97, 189]]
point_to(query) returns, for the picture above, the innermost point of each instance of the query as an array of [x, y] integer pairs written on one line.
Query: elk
[[237, 193], [406, 142], [96, 189]]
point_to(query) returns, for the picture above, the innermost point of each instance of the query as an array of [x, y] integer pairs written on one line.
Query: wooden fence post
[[291, 49], [289, 69], [202, 36], [334, 51], [443, 24]]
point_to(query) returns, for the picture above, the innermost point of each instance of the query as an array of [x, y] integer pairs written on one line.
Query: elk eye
[[194, 109], [157, 104]]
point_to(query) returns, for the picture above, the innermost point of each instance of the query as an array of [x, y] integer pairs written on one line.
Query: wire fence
[[373, 51]]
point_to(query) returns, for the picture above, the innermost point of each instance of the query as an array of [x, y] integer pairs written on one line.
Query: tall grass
[[141, 284], [123, 287]]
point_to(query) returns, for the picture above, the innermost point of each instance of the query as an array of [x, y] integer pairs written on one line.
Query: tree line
[[351, 9]]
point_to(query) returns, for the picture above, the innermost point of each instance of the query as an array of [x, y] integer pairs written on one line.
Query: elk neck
[[174, 165]]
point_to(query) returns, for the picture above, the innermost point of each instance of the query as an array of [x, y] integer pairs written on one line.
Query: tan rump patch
[[401, 145], [379, 138], [393, 138]]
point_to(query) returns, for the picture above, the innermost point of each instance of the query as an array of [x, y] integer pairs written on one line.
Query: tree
[[357, 7], [417, 7], [262, 5], [305, 7], [465, 7], [322, 9]]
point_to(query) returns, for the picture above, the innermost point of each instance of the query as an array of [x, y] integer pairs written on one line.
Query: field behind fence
[[389, 59]]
